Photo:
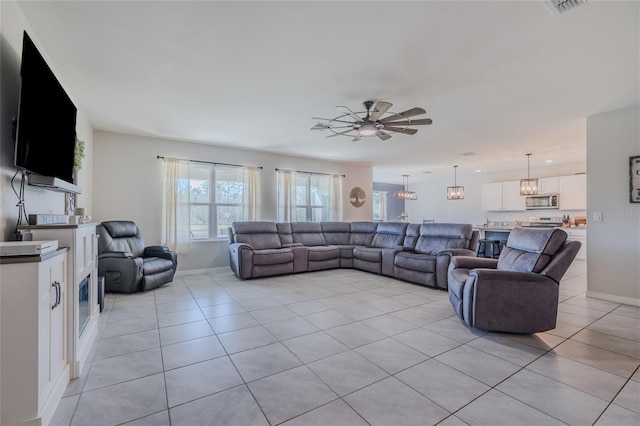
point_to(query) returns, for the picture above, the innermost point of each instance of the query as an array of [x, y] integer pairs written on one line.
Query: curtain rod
[[160, 157], [311, 173]]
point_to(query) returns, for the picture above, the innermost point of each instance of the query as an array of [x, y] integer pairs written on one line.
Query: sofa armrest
[[443, 259], [520, 302], [115, 255], [472, 262], [162, 252], [240, 258], [291, 245]]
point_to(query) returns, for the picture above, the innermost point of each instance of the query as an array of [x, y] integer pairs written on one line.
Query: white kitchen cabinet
[[548, 185], [578, 234], [573, 192], [34, 364], [83, 251], [502, 196]]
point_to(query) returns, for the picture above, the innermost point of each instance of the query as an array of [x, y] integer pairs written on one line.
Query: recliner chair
[[519, 291], [127, 265]]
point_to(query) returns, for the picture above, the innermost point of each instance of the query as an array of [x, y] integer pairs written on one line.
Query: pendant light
[[455, 192], [405, 194], [528, 186]]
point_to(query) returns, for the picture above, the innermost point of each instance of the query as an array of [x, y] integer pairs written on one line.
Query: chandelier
[[405, 194], [528, 186], [455, 192]]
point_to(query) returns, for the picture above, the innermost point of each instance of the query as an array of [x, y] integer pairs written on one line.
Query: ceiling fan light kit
[[377, 120], [405, 194], [529, 186], [455, 192]]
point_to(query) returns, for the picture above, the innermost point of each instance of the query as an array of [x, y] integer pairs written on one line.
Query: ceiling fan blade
[[378, 109], [351, 113], [410, 123], [332, 119], [339, 133], [401, 130], [382, 135], [319, 126], [406, 114]]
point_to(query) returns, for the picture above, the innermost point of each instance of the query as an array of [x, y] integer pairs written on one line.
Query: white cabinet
[[83, 251], [548, 185], [34, 366], [502, 196], [577, 234], [573, 192]]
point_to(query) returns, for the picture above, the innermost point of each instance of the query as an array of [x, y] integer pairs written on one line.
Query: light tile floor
[[345, 347]]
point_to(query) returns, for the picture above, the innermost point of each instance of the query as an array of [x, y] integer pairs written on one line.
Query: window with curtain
[[379, 205], [217, 195], [307, 197]]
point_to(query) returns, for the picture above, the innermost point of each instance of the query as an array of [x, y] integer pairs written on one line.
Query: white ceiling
[[499, 79]]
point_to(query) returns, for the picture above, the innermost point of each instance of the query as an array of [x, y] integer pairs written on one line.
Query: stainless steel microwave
[[541, 202]]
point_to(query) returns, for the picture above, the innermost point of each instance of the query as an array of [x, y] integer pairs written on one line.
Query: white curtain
[[382, 205], [286, 195], [251, 193], [335, 197], [175, 202]]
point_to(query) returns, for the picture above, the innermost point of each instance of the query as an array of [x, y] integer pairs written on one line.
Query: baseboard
[[613, 298]]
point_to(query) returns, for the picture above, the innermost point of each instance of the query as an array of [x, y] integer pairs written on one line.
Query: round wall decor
[[357, 197]]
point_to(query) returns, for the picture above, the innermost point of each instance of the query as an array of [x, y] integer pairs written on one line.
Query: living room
[[121, 174]]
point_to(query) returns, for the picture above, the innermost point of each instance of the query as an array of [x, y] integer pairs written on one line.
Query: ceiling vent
[[556, 7]]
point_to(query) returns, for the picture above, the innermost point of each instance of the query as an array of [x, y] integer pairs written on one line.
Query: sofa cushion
[[411, 236], [362, 233], [436, 237], [259, 235], [272, 256], [284, 233], [389, 235], [368, 254], [307, 233], [336, 233], [421, 262], [530, 249], [319, 253]]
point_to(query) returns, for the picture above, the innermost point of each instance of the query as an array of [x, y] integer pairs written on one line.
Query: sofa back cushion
[[530, 249], [336, 233], [307, 233], [259, 235], [362, 233], [284, 232], [436, 237], [389, 234]]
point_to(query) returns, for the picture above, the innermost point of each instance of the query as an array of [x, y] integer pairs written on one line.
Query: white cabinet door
[[511, 198], [581, 236], [548, 185], [492, 196], [573, 192]]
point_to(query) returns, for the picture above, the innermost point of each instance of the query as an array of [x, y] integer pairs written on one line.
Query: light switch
[[597, 216]]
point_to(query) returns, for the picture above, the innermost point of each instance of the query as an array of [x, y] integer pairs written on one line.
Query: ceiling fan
[[377, 121]]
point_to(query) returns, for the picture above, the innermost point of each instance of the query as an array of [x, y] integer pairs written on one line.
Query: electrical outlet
[[597, 216]]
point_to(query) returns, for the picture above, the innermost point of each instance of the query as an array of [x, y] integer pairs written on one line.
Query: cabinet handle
[[56, 285]]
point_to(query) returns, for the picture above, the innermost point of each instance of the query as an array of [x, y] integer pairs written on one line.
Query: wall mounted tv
[[46, 123]]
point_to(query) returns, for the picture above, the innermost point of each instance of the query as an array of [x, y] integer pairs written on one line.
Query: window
[[379, 205], [312, 198], [216, 196], [309, 197]]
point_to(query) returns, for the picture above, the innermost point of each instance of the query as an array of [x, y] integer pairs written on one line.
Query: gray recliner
[[518, 292], [126, 264]]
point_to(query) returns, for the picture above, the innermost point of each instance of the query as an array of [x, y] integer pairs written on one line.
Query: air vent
[[556, 7]]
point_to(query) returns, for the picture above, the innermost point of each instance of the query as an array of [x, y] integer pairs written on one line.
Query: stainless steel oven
[[541, 202]]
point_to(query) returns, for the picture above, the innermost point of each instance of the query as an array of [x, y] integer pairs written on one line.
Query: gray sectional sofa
[[417, 253]]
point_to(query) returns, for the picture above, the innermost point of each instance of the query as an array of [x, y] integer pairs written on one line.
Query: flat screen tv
[[46, 123]]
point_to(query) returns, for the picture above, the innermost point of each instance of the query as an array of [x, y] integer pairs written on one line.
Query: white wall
[[613, 249], [127, 184], [36, 200]]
